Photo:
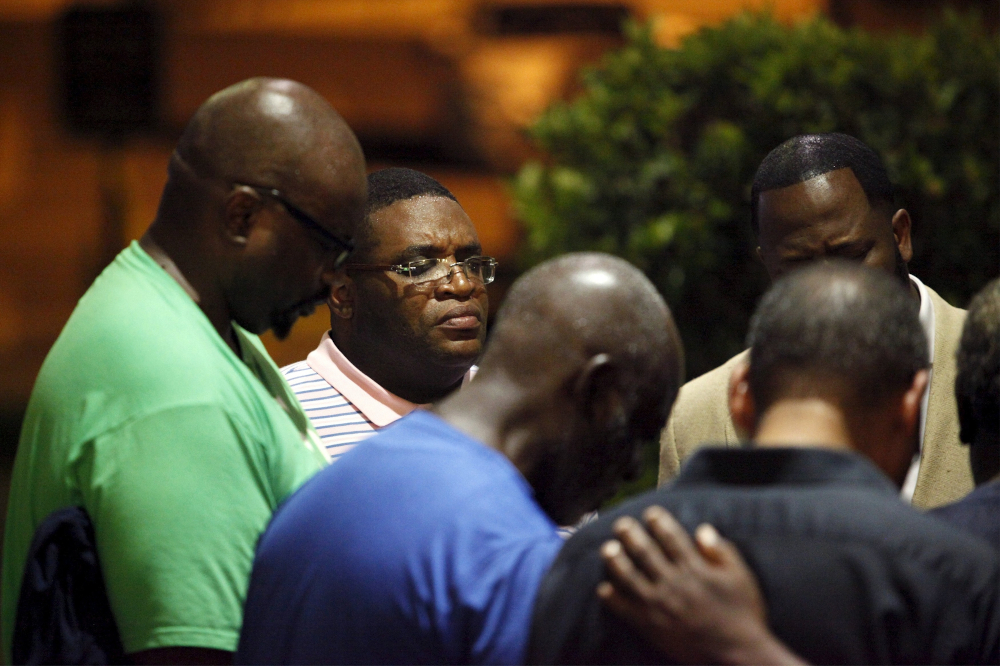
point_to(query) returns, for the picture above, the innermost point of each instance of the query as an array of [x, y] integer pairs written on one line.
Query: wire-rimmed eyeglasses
[[418, 271]]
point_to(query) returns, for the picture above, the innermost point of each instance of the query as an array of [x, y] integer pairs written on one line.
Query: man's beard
[[282, 322]]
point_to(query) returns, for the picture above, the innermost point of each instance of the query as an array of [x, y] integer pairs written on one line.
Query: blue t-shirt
[[422, 546]]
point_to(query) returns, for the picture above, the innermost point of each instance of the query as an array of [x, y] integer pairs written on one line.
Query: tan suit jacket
[[701, 416]]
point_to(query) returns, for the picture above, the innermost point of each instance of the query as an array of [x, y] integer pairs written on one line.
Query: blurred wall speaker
[[109, 62]]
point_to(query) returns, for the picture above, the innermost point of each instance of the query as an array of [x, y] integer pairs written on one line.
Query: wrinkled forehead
[[421, 221], [827, 207]]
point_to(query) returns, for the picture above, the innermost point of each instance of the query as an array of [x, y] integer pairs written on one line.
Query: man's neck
[[518, 421], [410, 379], [156, 246], [803, 422]]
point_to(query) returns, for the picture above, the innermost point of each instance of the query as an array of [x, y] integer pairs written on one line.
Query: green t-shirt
[[178, 449]]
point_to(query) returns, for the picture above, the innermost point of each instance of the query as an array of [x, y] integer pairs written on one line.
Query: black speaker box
[[109, 69]]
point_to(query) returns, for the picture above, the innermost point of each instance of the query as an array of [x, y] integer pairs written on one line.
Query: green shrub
[[653, 161]]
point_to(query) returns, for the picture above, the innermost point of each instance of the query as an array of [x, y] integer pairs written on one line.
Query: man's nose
[[458, 281]]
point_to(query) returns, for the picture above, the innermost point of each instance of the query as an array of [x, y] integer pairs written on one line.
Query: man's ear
[[343, 295], [741, 403], [240, 207], [597, 393], [901, 224], [909, 405]]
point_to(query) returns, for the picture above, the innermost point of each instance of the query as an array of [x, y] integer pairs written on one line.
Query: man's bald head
[[265, 190], [275, 134], [580, 305], [589, 337], [262, 130]]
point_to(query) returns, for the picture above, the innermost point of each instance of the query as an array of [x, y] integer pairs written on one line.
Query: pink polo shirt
[[343, 403]]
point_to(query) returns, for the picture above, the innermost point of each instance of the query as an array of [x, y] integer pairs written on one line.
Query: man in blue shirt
[[445, 521]]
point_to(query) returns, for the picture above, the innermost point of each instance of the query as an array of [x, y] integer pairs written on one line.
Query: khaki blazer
[[701, 416]]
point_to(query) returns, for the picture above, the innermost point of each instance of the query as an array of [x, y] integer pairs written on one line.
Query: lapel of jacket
[[944, 475]]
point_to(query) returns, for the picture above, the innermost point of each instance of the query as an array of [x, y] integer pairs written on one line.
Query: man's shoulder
[[129, 326], [302, 377], [701, 412], [437, 472], [422, 493], [711, 386], [948, 319], [945, 475], [856, 542], [422, 446], [975, 513], [841, 517], [836, 513]]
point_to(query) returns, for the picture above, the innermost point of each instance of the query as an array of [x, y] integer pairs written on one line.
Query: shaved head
[[266, 189], [266, 130], [591, 344], [579, 305]]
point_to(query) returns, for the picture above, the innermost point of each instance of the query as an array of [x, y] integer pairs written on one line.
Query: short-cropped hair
[[978, 358], [807, 156], [837, 327], [387, 186]]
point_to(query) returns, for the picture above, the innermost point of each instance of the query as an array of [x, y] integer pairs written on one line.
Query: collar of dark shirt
[[773, 466]]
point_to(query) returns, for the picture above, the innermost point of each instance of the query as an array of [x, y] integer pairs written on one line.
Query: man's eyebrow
[[430, 249], [849, 245], [414, 250]]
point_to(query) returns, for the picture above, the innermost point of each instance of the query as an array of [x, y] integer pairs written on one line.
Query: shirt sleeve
[[178, 499], [500, 565], [505, 622]]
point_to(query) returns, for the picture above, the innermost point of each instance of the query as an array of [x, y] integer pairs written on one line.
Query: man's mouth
[[463, 317]]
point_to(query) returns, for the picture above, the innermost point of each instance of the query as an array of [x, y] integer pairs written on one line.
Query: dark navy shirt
[[422, 546], [977, 513], [849, 572]]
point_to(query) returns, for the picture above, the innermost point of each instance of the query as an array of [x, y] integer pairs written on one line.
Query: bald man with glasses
[[158, 410], [408, 313]]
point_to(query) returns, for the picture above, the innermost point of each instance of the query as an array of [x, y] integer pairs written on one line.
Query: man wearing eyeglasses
[[426, 543], [407, 313], [158, 410]]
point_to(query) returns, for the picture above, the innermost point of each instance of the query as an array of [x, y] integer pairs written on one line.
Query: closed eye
[[851, 252]]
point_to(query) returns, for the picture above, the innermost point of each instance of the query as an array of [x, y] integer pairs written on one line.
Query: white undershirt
[[927, 321]]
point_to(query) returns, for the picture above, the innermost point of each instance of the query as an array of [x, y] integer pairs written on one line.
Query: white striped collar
[[377, 404]]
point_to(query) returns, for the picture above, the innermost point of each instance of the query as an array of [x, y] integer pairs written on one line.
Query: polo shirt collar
[[781, 466], [377, 404]]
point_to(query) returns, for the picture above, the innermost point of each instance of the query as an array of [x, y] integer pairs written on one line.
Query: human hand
[[696, 602]]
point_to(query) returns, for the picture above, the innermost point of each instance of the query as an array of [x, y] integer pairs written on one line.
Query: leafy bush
[[653, 162]]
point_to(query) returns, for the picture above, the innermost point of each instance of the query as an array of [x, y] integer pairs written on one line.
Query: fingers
[[640, 546], [711, 544], [621, 605], [622, 571], [739, 581], [716, 549], [672, 537]]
